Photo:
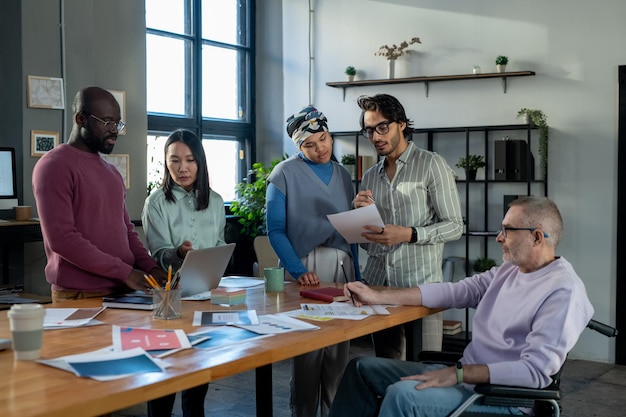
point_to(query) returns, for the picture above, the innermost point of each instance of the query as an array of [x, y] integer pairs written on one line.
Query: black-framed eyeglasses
[[504, 230], [381, 128], [110, 124]]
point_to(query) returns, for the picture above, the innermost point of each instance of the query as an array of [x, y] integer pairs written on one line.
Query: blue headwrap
[[305, 123]]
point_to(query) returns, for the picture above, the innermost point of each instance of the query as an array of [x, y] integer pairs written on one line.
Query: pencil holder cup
[[166, 305]]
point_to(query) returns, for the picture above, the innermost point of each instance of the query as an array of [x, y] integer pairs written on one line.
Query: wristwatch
[[459, 372], [413, 235]]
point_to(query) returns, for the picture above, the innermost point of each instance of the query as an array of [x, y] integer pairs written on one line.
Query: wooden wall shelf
[[426, 80]]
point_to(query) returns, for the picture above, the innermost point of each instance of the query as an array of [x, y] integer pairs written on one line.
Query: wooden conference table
[[29, 389]]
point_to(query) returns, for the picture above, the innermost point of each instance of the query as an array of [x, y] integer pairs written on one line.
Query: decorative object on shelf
[[250, 203], [539, 119], [483, 264], [471, 165], [501, 63], [476, 69], [349, 163], [393, 52], [350, 72]]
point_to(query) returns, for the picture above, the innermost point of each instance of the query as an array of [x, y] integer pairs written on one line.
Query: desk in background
[[30, 389], [12, 234]]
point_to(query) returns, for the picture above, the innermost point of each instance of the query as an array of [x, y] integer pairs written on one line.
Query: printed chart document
[[222, 317], [350, 224], [63, 318], [279, 323], [106, 365], [241, 282], [344, 311], [126, 338]]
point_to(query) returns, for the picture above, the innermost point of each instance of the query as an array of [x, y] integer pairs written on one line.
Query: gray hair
[[542, 213]]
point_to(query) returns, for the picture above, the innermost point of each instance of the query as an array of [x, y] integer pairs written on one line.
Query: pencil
[[345, 276], [169, 278], [151, 281]]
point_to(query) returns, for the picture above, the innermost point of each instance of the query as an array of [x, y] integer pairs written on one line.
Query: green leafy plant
[[350, 70], [250, 203], [539, 119], [502, 60], [472, 162], [348, 159], [483, 264]]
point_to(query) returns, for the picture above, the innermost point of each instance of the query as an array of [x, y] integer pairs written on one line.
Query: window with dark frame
[[200, 76]]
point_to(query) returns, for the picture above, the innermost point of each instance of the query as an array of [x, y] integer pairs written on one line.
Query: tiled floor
[[589, 389]]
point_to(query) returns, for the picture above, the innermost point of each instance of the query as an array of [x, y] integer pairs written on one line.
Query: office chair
[[265, 255], [543, 401]]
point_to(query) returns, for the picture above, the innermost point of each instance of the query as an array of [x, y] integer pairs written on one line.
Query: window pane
[[220, 84], [222, 160], [167, 15], [166, 67], [220, 21]]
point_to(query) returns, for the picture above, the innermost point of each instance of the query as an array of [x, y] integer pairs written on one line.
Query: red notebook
[[328, 294]]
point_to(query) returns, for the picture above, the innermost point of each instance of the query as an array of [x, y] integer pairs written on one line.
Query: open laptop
[[202, 271]]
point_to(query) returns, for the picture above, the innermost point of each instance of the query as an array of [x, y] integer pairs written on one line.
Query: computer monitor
[[8, 179]]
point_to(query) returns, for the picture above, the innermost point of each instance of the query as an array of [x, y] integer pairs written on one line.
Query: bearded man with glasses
[[415, 192], [91, 245]]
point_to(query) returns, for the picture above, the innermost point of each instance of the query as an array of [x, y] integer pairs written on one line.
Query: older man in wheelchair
[[529, 313]]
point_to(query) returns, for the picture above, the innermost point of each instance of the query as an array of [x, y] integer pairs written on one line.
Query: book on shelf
[[452, 327], [130, 301], [328, 294]]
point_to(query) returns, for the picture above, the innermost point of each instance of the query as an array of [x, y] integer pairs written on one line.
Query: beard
[[96, 144]]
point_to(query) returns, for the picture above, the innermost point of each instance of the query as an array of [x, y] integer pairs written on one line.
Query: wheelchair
[[544, 402]]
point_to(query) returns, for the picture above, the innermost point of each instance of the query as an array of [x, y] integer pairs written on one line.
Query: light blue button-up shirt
[[168, 224]]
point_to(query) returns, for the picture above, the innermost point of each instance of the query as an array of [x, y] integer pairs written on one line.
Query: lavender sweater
[[90, 243], [524, 324]]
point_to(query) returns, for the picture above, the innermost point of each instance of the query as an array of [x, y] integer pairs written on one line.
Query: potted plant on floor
[[537, 118], [501, 63], [350, 72], [471, 164]]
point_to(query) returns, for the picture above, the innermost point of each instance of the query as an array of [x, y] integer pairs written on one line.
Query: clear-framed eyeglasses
[[504, 229], [110, 124], [381, 128]]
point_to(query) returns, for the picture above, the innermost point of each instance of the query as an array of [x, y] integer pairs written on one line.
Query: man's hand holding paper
[[351, 224]]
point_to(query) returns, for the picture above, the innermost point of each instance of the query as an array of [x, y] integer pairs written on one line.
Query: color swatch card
[[126, 338]]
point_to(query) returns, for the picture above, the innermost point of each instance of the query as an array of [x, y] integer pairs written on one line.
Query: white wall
[[574, 46]]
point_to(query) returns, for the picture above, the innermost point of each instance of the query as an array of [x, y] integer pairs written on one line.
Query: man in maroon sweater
[[90, 242]]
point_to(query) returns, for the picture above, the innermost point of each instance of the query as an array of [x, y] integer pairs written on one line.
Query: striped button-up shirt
[[422, 194]]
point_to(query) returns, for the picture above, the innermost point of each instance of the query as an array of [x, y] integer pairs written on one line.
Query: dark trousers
[[192, 401]]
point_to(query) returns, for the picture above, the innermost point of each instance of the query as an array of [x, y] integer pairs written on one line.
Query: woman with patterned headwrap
[[302, 190]]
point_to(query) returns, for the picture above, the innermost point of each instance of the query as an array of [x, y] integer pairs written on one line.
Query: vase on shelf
[[350, 78], [500, 68], [471, 174], [391, 68]]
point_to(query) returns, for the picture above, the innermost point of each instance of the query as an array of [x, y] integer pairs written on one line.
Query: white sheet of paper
[[350, 224]]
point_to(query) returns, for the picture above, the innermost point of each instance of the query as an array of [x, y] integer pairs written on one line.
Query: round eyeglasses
[[110, 124], [381, 128], [503, 230]]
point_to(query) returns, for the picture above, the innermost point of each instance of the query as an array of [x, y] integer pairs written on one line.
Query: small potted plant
[[501, 62], [349, 163], [539, 119], [483, 264], [471, 165], [350, 72]]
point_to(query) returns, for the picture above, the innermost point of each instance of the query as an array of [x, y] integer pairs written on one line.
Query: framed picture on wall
[[120, 96], [42, 141], [45, 92], [121, 161]]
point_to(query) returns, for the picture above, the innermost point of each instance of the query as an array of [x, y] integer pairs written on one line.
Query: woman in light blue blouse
[[182, 215]]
